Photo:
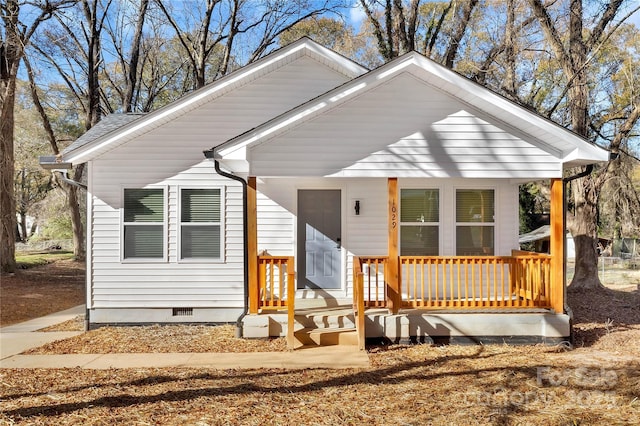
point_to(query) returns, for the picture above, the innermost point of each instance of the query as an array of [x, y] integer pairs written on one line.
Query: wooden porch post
[[393, 267], [556, 249], [252, 244]]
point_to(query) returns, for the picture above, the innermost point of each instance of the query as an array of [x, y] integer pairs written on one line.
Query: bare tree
[[574, 57], [15, 36], [73, 48], [454, 43], [396, 34], [209, 36]]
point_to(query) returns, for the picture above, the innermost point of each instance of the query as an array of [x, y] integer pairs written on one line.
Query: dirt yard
[[598, 382], [35, 292]]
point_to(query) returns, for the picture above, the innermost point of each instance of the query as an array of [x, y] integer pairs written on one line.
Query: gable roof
[[569, 148], [118, 129]]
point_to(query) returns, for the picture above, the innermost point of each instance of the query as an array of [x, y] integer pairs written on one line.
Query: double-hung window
[[475, 222], [419, 222], [200, 223], [144, 211]]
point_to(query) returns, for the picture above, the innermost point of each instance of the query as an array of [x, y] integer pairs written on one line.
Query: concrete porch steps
[[314, 337], [336, 318]]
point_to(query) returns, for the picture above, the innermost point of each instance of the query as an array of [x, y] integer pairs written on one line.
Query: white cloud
[[356, 14]]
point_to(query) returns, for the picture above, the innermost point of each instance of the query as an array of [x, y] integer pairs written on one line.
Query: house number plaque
[[394, 216]]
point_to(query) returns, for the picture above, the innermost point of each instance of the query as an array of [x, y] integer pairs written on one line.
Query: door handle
[[338, 241]]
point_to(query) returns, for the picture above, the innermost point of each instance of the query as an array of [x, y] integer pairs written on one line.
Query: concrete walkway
[[17, 338], [20, 337]]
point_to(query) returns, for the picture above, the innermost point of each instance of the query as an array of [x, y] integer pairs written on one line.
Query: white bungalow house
[[388, 196]]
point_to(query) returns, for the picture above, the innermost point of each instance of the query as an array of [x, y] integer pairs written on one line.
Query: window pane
[[474, 205], [144, 205], [474, 241], [200, 205], [143, 241], [201, 241], [419, 205], [419, 240]]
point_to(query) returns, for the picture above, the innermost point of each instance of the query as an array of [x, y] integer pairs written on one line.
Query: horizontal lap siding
[[407, 129], [275, 227], [171, 156], [169, 283], [366, 233]]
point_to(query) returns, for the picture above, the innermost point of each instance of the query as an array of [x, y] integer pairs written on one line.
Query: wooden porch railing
[[358, 301], [277, 288], [374, 270], [462, 282]]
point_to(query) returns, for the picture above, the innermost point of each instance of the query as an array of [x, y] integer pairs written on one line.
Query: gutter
[[210, 154]]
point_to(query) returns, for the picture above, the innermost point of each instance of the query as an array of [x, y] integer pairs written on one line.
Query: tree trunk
[[76, 217], [94, 113], [10, 54], [132, 75], [23, 236], [586, 193], [456, 38], [583, 227], [509, 85]]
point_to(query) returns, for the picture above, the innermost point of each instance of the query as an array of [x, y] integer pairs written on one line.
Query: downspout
[[239, 322], [64, 176], [587, 171]]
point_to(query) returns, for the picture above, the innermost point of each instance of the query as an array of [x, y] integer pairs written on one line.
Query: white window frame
[[221, 223], [123, 224], [493, 224], [438, 224]]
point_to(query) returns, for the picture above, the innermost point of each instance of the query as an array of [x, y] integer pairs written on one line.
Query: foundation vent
[[182, 312]]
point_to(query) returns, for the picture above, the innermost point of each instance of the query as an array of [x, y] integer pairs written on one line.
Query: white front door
[[319, 239]]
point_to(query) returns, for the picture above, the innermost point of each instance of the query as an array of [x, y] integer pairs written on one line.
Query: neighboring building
[[541, 239], [410, 168]]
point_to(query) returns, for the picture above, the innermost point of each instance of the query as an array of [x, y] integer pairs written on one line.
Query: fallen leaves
[[160, 339]]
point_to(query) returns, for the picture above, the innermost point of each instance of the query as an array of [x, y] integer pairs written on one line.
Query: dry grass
[[158, 339], [596, 383], [404, 385]]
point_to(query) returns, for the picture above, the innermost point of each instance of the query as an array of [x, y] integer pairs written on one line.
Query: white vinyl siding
[[143, 232], [275, 223], [170, 155], [201, 223], [431, 135], [196, 283]]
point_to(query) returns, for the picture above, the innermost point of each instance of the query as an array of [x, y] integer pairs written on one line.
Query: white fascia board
[[166, 113], [348, 66], [585, 155]]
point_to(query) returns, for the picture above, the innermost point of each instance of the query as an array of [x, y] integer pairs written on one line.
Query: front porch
[[457, 299], [517, 298]]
